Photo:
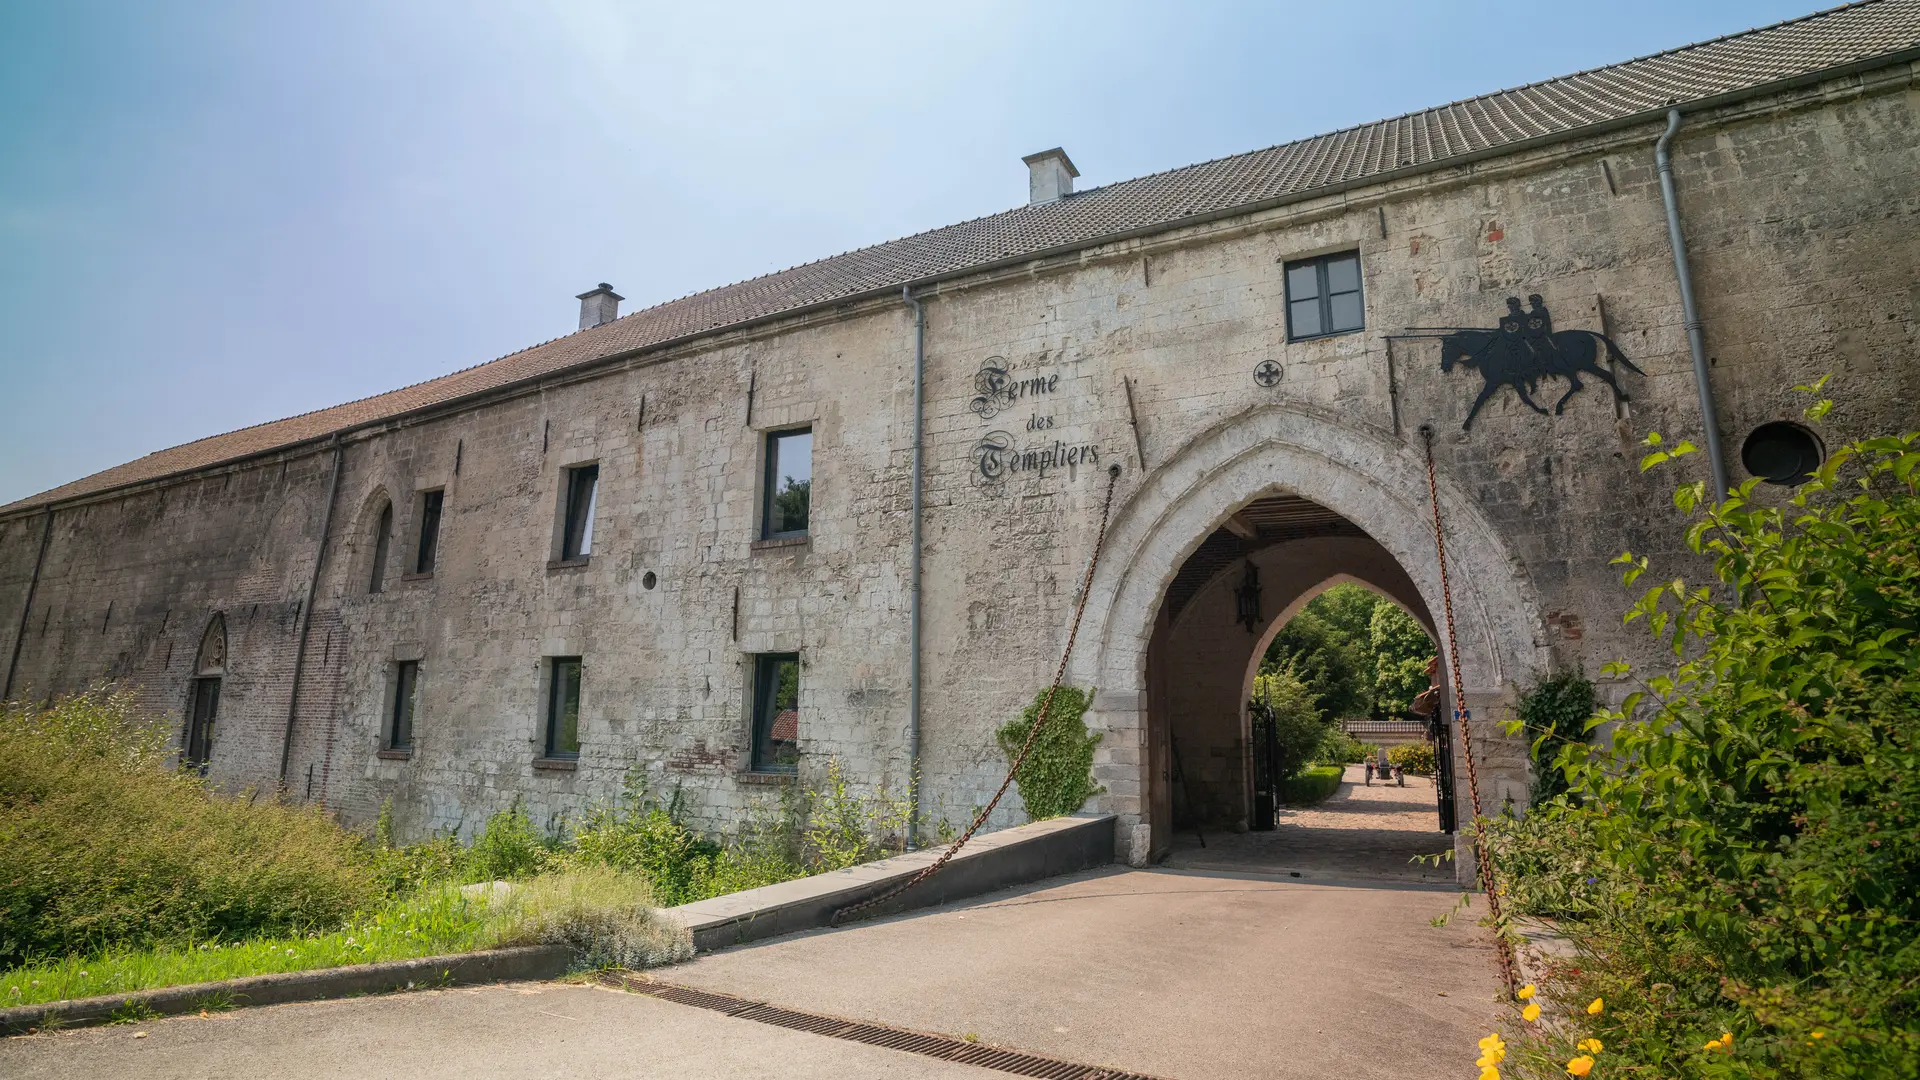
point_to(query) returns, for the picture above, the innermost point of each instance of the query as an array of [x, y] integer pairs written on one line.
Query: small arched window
[[203, 704], [382, 537]]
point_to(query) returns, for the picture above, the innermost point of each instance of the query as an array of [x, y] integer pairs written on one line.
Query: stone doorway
[[1344, 502], [1247, 581]]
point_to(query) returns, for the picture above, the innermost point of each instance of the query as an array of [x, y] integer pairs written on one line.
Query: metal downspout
[[1696, 343], [306, 609], [26, 609], [913, 570]]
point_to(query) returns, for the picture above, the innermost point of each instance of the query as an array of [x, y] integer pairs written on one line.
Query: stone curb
[[988, 862], [492, 965]]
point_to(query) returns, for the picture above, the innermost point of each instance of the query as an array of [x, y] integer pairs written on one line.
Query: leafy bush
[[1284, 700], [1555, 713], [508, 847], [1311, 786], [1756, 818], [1057, 776], [607, 918], [103, 844], [1339, 748], [1417, 757]]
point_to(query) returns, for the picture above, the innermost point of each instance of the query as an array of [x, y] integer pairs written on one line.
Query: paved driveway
[[1187, 974]]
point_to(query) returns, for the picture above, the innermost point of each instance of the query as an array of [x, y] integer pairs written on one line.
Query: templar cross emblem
[[1266, 373]]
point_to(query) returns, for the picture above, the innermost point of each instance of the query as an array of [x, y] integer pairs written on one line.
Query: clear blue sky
[[218, 214]]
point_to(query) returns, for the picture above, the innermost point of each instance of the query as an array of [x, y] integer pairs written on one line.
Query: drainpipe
[[306, 609], [913, 571], [1696, 343], [26, 609]]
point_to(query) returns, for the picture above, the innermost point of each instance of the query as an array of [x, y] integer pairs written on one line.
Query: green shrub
[[1757, 812], [508, 847], [1311, 786], [1339, 748], [606, 917], [1417, 757], [1057, 776], [1284, 700], [1555, 713], [104, 845]]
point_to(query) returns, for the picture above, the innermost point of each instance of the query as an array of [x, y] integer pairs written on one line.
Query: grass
[[608, 919], [1312, 785]]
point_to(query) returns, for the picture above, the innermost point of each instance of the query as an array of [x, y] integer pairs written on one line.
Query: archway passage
[[1215, 799]]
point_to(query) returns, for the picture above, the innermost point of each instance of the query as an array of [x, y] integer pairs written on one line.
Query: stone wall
[[1800, 215]]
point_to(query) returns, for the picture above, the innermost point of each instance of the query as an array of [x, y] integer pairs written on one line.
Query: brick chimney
[[601, 305], [1050, 176]]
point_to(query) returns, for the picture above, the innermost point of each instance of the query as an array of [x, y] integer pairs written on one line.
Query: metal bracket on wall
[[753, 380], [1133, 418]]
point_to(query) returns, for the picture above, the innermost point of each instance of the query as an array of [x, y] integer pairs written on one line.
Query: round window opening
[[1782, 453], [649, 580]]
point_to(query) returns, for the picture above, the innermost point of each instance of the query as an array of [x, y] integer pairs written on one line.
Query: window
[[776, 713], [789, 476], [563, 708], [430, 502], [1782, 453], [576, 539], [204, 708], [1323, 296], [382, 533], [406, 688]]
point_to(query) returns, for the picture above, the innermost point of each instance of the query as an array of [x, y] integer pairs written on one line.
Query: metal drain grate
[[943, 1047]]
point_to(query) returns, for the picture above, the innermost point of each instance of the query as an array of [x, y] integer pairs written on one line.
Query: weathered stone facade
[[1801, 213]]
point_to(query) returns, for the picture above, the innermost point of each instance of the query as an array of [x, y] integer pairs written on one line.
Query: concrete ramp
[[988, 862]]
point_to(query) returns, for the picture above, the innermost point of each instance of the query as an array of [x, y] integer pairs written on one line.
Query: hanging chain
[[1039, 721], [1463, 716]]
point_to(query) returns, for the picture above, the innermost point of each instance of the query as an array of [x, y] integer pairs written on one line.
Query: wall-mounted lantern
[[1246, 600]]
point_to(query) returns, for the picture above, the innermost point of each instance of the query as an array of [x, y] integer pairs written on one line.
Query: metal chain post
[[1039, 721], [1464, 717]]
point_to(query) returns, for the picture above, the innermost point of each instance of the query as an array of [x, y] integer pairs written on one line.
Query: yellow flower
[[1711, 1044], [1580, 1066], [1489, 1073], [1595, 1008], [1530, 1013], [1525, 992], [1590, 1046], [1492, 1043], [1726, 1038], [1819, 1034]]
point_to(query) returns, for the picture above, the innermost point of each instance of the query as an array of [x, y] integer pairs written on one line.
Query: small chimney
[[602, 305], [1050, 176]]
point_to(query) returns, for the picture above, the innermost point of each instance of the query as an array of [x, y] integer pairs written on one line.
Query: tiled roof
[[1738, 62]]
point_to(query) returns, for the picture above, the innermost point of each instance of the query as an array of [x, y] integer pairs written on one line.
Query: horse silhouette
[[1510, 356]]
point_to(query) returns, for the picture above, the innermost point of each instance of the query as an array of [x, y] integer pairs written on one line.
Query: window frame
[[405, 706], [382, 549], [201, 728], [761, 755], [426, 552], [556, 686], [770, 483], [576, 544], [1324, 299]]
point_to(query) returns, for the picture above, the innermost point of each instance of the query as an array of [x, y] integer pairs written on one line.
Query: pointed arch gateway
[[1367, 495]]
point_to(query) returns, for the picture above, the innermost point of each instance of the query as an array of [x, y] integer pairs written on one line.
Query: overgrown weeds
[[104, 844]]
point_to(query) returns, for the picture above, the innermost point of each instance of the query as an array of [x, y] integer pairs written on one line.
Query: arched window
[[203, 703], [382, 535]]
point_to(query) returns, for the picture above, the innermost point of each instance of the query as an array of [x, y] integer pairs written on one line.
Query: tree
[[1324, 660], [1400, 651]]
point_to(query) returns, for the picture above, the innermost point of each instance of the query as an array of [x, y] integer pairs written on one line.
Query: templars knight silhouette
[[1524, 350]]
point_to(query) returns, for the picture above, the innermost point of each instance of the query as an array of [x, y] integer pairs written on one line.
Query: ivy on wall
[[1057, 776]]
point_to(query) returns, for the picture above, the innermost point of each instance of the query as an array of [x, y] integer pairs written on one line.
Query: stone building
[[685, 540]]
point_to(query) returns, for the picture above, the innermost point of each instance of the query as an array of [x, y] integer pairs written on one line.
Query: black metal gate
[[1266, 767], [1441, 733]]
